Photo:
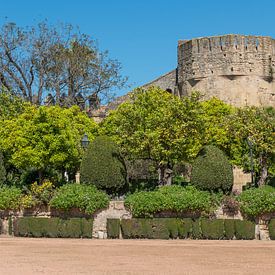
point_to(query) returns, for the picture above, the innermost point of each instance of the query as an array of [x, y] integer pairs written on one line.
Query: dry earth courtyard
[[83, 256]]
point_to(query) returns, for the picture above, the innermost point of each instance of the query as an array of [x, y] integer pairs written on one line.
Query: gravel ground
[[82, 256]]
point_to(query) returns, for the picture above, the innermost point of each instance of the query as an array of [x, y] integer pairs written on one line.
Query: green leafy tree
[[103, 166], [159, 126], [45, 137], [258, 125]]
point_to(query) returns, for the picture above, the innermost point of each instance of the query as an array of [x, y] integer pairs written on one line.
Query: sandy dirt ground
[[82, 256]]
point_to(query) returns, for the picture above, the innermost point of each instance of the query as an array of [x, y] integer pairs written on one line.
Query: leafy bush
[[244, 230], [196, 229], [2, 170], [103, 166], [113, 228], [211, 170], [10, 198], [175, 199], [53, 227], [257, 201], [39, 194], [229, 229], [86, 198], [185, 228], [212, 229], [271, 228]]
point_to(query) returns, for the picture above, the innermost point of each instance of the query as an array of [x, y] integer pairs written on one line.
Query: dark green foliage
[[173, 198], [134, 228], [271, 228], [212, 229], [185, 228], [53, 227], [244, 230], [196, 229], [83, 197], [211, 170], [10, 226], [103, 166], [229, 229], [113, 228]]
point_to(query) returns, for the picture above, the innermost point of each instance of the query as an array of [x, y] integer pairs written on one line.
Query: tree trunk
[[263, 171], [165, 175], [40, 176]]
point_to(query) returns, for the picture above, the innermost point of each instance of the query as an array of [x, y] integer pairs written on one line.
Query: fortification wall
[[238, 69]]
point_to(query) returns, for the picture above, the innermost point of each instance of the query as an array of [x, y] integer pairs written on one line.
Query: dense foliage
[[175, 199], [103, 166], [257, 201], [211, 170], [10, 198], [83, 197], [45, 138]]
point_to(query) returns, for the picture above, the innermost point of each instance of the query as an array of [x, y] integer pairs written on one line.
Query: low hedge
[[113, 228], [53, 227], [173, 198], [165, 228], [244, 230], [271, 228]]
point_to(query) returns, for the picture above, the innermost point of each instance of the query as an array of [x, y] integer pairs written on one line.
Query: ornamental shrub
[[212, 229], [211, 170], [113, 228], [173, 198], [244, 230], [229, 229], [83, 197], [103, 166], [257, 201], [10, 198], [271, 228]]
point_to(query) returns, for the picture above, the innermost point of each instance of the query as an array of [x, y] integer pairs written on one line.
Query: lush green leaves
[[257, 201], [175, 199], [83, 197], [10, 198]]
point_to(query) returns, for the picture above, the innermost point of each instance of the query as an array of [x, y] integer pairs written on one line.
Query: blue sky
[[143, 34]]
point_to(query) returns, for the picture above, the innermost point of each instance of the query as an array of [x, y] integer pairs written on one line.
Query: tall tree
[[158, 126], [57, 59]]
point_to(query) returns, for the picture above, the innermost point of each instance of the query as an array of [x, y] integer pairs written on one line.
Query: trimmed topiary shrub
[[196, 229], [271, 228], [185, 228], [103, 166], [212, 229], [244, 230], [113, 228], [53, 227], [211, 170], [229, 229]]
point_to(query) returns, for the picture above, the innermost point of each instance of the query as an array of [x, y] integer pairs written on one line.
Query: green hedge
[[212, 229], [53, 227], [113, 228], [244, 230], [271, 228], [165, 228], [173, 198]]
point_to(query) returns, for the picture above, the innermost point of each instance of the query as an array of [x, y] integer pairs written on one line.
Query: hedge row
[[271, 227], [53, 227], [165, 228]]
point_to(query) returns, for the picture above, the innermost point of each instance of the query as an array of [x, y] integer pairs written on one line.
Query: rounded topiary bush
[[211, 170], [103, 166]]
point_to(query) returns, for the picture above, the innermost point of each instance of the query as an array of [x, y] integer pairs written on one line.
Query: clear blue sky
[[143, 34]]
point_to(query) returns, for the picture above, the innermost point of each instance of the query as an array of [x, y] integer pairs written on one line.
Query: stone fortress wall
[[238, 69]]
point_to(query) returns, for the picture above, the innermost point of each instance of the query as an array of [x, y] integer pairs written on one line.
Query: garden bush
[[113, 228], [83, 197], [103, 166], [212, 229], [174, 199], [185, 228], [53, 227], [10, 198], [257, 201], [244, 230], [229, 229], [196, 229], [211, 170], [271, 228], [2, 169]]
